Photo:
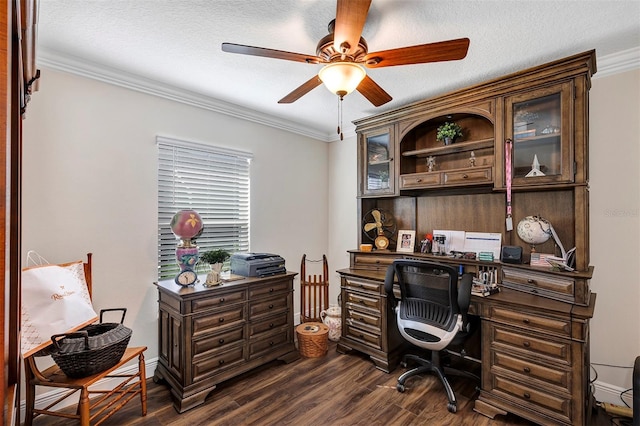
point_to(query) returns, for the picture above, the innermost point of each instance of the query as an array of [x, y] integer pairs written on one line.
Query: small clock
[[186, 277], [381, 242]]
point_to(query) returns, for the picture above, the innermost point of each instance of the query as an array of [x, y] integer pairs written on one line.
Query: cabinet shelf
[[378, 162], [543, 138], [450, 149]]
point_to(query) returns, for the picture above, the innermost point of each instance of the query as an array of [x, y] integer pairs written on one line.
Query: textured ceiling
[[177, 44]]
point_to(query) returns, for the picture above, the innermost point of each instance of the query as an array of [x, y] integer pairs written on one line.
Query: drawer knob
[[526, 344], [418, 180], [527, 370], [221, 362], [270, 306], [530, 281], [270, 290], [221, 320], [221, 341], [222, 300], [527, 395], [271, 325], [465, 176], [526, 321], [271, 343]]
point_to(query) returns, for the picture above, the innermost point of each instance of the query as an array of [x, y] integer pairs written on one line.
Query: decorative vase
[[332, 318], [213, 277]]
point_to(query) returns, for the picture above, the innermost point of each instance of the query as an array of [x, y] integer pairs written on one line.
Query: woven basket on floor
[[312, 339], [90, 350]]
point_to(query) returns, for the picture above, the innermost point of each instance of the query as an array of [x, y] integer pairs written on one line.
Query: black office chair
[[431, 314]]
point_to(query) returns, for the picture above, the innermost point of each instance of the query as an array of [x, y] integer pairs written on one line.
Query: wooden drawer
[[370, 287], [368, 338], [556, 287], [533, 347], [217, 362], [357, 300], [269, 288], [547, 403], [471, 176], [372, 262], [219, 300], [359, 318], [529, 371], [268, 324], [271, 305], [530, 321], [212, 321], [261, 346], [216, 342], [420, 180]]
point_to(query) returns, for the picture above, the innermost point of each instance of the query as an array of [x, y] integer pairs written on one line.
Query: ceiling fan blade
[[375, 94], [450, 50], [301, 91], [269, 53], [350, 18]]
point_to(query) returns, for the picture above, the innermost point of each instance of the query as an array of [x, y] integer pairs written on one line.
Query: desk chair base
[[434, 366]]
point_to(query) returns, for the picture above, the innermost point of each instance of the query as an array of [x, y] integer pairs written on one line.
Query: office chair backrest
[[429, 295]]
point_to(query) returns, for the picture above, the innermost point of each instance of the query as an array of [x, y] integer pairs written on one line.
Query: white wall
[[89, 185], [614, 167]]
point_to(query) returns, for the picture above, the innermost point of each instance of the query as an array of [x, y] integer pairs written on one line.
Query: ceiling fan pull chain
[[340, 118]]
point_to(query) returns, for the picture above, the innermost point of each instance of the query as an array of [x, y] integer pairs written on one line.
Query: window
[[210, 180]]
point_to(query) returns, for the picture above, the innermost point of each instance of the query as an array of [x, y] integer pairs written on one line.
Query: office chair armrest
[[388, 285], [464, 298], [464, 292]]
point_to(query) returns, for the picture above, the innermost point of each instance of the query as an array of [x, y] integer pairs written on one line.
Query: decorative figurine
[[535, 168], [472, 159], [431, 162]]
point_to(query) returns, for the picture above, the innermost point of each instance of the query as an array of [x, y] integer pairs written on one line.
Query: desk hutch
[[535, 332]]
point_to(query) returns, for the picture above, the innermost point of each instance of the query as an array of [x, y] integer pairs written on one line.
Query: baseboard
[[605, 392], [46, 398]]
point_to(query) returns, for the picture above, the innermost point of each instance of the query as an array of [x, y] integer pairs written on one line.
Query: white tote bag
[[55, 299]]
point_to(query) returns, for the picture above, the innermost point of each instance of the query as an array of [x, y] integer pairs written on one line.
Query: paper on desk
[[454, 241], [483, 241]]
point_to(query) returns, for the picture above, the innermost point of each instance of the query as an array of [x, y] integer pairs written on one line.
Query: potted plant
[[215, 259], [449, 132]]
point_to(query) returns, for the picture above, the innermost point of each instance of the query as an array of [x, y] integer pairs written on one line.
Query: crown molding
[[615, 63], [81, 67], [607, 65]]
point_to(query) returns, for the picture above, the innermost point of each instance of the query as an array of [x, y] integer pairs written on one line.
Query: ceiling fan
[[344, 52]]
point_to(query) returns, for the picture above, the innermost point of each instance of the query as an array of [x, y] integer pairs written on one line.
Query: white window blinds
[[212, 181]]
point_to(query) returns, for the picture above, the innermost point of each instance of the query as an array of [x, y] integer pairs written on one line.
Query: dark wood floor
[[332, 390]]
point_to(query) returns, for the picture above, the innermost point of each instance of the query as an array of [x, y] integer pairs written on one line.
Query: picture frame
[[406, 241]]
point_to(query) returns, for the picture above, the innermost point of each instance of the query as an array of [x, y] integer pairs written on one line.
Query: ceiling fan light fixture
[[342, 78]]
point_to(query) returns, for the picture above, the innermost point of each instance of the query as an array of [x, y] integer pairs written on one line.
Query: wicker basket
[[312, 339], [90, 350]]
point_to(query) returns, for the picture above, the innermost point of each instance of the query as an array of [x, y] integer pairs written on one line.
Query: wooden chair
[[106, 402]]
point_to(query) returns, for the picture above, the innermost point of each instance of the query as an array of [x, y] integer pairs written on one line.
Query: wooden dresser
[[211, 334]]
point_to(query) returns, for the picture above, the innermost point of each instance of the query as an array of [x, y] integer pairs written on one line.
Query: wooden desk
[[212, 334], [535, 350]]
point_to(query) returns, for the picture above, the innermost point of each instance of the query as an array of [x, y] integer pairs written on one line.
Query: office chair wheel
[[452, 407], [400, 387]]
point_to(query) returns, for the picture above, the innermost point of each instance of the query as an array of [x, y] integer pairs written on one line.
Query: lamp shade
[[342, 78], [187, 225]]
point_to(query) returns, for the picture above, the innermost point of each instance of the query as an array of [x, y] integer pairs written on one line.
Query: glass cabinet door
[[377, 154], [539, 124]]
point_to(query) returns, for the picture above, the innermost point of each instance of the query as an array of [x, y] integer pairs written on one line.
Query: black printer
[[257, 264]]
